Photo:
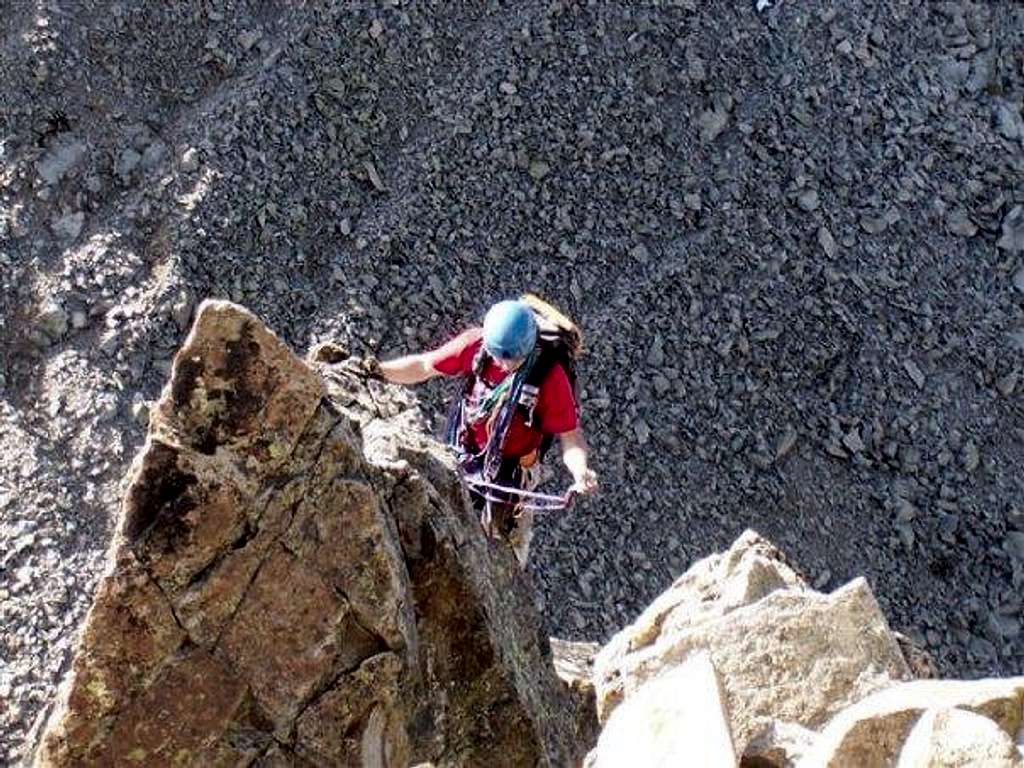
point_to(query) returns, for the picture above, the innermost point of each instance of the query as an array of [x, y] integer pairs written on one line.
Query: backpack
[[560, 342]]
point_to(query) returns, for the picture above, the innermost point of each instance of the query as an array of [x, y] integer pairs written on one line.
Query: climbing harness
[[504, 506]]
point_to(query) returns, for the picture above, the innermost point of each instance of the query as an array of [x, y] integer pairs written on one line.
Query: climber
[[518, 395]]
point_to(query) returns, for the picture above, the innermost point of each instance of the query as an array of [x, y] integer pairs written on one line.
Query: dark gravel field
[[793, 237]]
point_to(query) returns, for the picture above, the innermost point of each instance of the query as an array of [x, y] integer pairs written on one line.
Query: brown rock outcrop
[[809, 680], [782, 650], [873, 731], [296, 581]]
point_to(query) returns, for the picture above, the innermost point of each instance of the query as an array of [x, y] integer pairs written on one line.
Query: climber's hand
[[370, 367], [586, 483], [363, 367], [334, 354]]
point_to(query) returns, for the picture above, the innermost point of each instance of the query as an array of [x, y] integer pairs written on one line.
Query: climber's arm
[[574, 454], [410, 369], [444, 361]]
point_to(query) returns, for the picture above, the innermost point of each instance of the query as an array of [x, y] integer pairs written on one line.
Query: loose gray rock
[[1012, 239], [1014, 545], [374, 176], [154, 155], [539, 169], [786, 443], [853, 442], [1018, 280], [954, 72], [1009, 122], [1007, 383], [874, 225], [140, 412], [808, 200], [53, 320], [983, 71], [181, 310], [827, 242], [127, 162], [711, 123], [970, 456], [656, 354], [982, 649], [958, 223], [642, 431], [69, 226], [249, 38], [60, 160], [906, 535], [1006, 627], [915, 373]]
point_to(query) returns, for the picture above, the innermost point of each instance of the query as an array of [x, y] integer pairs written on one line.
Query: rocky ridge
[[298, 579], [794, 238]]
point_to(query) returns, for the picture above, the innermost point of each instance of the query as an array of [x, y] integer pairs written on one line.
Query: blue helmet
[[510, 330]]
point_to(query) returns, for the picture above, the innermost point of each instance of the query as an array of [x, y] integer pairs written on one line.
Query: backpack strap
[[480, 361], [457, 428], [531, 390]]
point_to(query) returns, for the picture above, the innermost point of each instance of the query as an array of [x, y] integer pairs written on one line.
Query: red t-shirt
[[555, 412]]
